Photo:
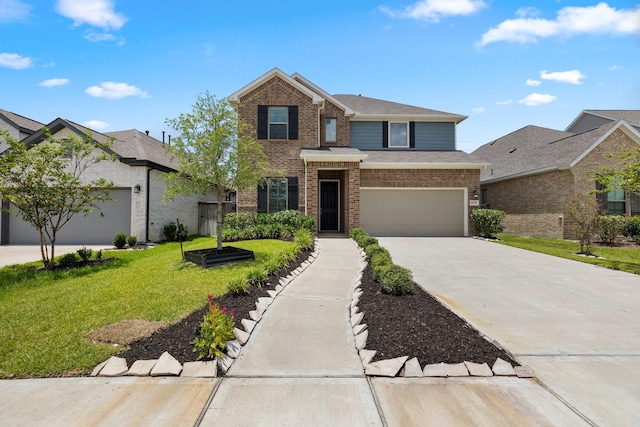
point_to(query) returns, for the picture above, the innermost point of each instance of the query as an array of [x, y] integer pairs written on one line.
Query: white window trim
[[391, 139], [336, 129], [269, 123]]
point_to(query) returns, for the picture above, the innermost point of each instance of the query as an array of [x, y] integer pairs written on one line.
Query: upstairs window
[[330, 129], [278, 122], [398, 135]]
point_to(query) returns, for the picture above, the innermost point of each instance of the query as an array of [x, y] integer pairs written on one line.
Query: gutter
[[527, 173]]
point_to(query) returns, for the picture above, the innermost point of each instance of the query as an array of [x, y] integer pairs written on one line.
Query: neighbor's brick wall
[[424, 178], [284, 155], [342, 126]]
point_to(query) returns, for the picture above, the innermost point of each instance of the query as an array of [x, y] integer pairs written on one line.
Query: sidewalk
[[299, 367]]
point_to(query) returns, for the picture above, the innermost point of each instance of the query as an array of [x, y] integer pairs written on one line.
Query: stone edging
[[167, 365], [405, 367]]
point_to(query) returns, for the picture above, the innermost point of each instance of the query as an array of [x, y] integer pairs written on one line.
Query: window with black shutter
[[277, 122], [278, 194]]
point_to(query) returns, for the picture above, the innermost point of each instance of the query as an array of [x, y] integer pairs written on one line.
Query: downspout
[[146, 222], [305, 186], [320, 111]]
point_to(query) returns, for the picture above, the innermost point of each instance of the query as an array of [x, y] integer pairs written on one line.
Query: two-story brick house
[[352, 161]]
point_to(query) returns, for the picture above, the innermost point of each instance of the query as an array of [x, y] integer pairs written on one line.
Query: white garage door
[[412, 212], [92, 229]]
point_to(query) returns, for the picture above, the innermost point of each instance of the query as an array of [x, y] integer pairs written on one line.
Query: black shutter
[[262, 197], [263, 121], [412, 134], [602, 198], [292, 193], [293, 122], [385, 134]]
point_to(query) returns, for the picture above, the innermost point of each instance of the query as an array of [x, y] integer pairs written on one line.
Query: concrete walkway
[[576, 325], [300, 367]]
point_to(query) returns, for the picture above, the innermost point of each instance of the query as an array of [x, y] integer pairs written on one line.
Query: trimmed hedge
[[251, 226], [487, 222]]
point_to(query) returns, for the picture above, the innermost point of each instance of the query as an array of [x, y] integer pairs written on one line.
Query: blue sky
[[116, 65]]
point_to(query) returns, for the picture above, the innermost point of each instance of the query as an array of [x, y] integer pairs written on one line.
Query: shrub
[[304, 239], [67, 260], [84, 253], [356, 231], [215, 330], [238, 286], [365, 240], [172, 234], [397, 280], [120, 240], [609, 227], [487, 222], [631, 227], [256, 276], [379, 270], [132, 240], [280, 225], [99, 254], [583, 212], [271, 265], [375, 249]]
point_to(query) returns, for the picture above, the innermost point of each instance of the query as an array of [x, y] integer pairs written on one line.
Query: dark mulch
[[414, 325], [420, 326]]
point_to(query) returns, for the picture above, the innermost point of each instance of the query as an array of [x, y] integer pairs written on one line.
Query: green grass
[[45, 315], [616, 258]]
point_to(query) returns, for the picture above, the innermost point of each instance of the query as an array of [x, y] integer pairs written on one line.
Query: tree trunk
[[219, 217]]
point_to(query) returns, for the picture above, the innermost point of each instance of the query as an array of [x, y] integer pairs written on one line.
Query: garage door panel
[[412, 212], [92, 229]]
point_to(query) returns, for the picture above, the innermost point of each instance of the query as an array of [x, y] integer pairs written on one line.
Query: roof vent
[[512, 150], [147, 132]]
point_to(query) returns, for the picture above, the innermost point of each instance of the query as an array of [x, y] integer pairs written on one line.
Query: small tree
[[216, 152], [44, 183], [626, 175], [583, 212]]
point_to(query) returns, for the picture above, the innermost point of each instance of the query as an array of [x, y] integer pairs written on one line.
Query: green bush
[[99, 254], [257, 276], [304, 239], [132, 240], [365, 240], [487, 222], [238, 286], [172, 234], [271, 265], [280, 225], [215, 330], [374, 249], [379, 270], [609, 227], [120, 240], [356, 231], [631, 227], [397, 280], [84, 253], [67, 260]]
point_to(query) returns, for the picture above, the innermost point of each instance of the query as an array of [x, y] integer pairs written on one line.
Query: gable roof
[[366, 108], [321, 92], [631, 116], [22, 123], [533, 150], [235, 97], [131, 147]]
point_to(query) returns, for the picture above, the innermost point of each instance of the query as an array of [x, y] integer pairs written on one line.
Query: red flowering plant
[[215, 330]]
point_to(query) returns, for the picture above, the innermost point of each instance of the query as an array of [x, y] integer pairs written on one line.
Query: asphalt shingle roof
[[372, 106], [435, 157], [632, 116], [533, 148], [22, 121]]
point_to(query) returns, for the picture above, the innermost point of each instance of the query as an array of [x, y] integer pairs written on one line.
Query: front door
[[329, 206]]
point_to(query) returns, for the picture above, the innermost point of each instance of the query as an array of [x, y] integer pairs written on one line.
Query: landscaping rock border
[[167, 365], [405, 367]]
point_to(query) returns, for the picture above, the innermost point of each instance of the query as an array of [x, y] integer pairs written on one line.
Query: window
[[398, 135], [330, 129], [485, 197], [278, 122], [616, 202], [277, 195]]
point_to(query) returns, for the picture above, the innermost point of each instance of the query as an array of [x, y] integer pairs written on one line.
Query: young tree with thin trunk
[[44, 183], [216, 153]]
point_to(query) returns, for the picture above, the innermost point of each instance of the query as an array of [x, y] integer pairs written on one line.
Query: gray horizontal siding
[[366, 135], [435, 136], [429, 136]]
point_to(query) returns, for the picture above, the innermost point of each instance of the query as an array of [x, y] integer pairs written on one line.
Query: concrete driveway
[[576, 325], [20, 254]]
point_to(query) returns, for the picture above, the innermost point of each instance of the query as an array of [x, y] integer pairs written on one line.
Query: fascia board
[[347, 111], [406, 118], [235, 97], [321, 157], [523, 174], [623, 125], [422, 165]]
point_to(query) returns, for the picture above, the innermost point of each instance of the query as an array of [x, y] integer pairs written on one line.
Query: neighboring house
[[137, 207], [19, 127], [536, 172], [349, 160]]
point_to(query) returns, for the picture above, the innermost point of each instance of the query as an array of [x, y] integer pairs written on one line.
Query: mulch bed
[[415, 325]]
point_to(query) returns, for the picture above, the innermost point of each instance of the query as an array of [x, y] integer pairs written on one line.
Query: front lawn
[[45, 315], [617, 258]]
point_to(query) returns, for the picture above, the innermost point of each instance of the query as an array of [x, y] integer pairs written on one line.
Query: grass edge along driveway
[[45, 315], [615, 258]]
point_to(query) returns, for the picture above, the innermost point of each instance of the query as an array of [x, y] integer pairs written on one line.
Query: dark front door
[[329, 206]]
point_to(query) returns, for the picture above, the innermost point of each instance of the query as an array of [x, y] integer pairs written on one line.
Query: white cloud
[[113, 90], [97, 13], [478, 110], [536, 99], [532, 82], [15, 61], [433, 10], [574, 76], [13, 10], [54, 82], [505, 102], [94, 37], [598, 19], [614, 67], [96, 124]]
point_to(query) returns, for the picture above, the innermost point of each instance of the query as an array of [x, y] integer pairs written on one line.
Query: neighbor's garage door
[[412, 212], [92, 229]]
